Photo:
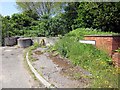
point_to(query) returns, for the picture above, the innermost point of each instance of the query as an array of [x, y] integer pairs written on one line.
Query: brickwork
[[104, 43], [108, 44], [115, 43], [116, 59]]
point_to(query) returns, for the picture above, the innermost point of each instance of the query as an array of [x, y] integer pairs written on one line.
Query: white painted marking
[[87, 41]]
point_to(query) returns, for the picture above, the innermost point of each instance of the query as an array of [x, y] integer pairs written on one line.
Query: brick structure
[[107, 43], [116, 59]]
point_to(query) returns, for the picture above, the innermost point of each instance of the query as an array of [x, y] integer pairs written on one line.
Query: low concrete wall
[[24, 42], [48, 41], [10, 41]]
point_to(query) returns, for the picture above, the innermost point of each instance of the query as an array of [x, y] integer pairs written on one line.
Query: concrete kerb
[[37, 75]]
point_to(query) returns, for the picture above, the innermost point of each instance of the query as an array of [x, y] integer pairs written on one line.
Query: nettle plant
[[118, 50]]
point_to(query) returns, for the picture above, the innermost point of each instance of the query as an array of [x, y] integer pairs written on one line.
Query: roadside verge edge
[[40, 78]]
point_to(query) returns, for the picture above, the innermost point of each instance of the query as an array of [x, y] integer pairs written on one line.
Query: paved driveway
[[14, 74]]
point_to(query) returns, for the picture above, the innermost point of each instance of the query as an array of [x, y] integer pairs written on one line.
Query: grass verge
[[29, 49], [104, 74]]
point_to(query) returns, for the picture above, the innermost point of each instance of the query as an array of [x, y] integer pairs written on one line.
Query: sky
[[8, 7]]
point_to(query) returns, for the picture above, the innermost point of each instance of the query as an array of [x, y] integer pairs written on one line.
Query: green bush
[[80, 32], [118, 50], [46, 27], [90, 58], [99, 15], [79, 52]]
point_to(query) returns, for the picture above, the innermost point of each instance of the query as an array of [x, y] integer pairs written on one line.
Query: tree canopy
[[99, 15], [58, 18], [40, 8]]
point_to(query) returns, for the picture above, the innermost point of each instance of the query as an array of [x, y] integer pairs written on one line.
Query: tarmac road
[[14, 74]]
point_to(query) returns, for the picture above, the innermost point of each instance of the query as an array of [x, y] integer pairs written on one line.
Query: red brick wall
[[115, 43], [104, 43], [116, 59], [109, 44]]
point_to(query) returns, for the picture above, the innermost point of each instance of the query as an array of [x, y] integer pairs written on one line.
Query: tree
[[6, 29], [70, 14], [24, 19], [40, 8], [99, 15], [1, 29]]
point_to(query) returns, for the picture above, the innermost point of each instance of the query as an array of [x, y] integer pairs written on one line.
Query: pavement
[[14, 74], [51, 72]]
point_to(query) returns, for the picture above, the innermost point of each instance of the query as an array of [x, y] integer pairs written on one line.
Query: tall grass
[[89, 57], [80, 32]]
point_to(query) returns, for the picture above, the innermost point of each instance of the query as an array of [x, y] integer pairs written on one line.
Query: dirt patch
[[59, 71], [69, 70], [38, 52], [64, 63]]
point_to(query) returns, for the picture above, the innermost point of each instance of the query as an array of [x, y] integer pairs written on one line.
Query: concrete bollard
[[24, 42], [10, 41]]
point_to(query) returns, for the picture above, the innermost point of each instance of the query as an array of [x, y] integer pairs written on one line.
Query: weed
[[26, 65], [77, 76], [30, 49], [89, 57], [38, 52], [118, 50]]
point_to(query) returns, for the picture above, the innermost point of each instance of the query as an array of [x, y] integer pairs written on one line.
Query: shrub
[[118, 50], [80, 32], [90, 58], [99, 15]]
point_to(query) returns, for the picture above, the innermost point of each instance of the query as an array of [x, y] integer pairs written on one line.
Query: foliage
[[30, 49], [80, 32], [40, 8], [1, 29], [48, 27], [118, 50], [70, 14], [57, 26], [99, 15], [87, 56], [15, 24], [6, 28], [57, 18], [27, 24]]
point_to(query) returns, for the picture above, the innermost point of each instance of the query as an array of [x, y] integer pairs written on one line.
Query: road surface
[[14, 73]]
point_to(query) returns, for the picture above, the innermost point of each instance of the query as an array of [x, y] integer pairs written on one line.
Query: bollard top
[[24, 39]]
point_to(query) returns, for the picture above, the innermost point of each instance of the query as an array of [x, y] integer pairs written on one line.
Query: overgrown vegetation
[[30, 49], [53, 19], [118, 50], [104, 75], [58, 18], [99, 15], [80, 32]]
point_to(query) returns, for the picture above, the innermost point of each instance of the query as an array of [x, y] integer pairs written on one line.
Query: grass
[[26, 65], [80, 32], [35, 46], [29, 49], [118, 50], [104, 74]]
